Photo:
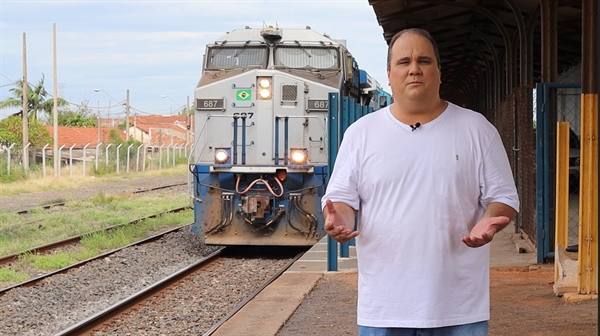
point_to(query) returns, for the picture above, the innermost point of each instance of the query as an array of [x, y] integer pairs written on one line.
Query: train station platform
[[270, 309]]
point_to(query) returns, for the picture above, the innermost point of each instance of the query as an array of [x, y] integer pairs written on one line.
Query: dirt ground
[[522, 303]]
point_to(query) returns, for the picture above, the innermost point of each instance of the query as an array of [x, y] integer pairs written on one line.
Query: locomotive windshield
[[300, 57], [237, 57]]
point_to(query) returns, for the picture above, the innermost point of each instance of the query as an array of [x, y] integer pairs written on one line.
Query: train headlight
[[264, 87], [222, 155], [264, 83], [298, 156], [264, 93]]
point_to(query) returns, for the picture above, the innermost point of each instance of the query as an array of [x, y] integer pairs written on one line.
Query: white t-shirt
[[419, 192]]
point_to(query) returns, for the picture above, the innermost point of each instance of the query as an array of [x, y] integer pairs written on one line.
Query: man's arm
[[495, 218], [339, 221], [496, 209]]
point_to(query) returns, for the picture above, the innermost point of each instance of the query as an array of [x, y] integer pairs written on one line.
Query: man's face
[[414, 74]]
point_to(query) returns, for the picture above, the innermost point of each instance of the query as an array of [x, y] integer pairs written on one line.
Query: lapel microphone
[[417, 125]]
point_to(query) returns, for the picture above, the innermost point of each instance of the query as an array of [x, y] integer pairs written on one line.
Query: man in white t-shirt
[[432, 184]]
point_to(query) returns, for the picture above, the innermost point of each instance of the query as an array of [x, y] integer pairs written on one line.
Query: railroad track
[[87, 326], [45, 207], [99, 321], [250, 297], [8, 259], [159, 188], [76, 240], [61, 204]]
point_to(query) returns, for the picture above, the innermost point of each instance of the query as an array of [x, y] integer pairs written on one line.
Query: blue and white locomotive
[[261, 133]]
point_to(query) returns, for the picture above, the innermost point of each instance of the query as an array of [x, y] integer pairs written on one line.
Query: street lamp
[[126, 110], [176, 104], [187, 126]]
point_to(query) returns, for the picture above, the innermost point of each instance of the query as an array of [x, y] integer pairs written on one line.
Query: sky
[[155, 48]]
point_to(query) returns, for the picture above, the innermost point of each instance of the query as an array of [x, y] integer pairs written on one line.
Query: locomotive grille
[[289, 92]]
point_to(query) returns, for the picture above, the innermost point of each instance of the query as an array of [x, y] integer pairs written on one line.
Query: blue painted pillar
[[333, 127]]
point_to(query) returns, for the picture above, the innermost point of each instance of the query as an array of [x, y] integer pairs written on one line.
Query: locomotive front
[[260, 148]]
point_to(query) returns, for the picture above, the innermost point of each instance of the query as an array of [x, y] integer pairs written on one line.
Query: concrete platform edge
[[282, 296]]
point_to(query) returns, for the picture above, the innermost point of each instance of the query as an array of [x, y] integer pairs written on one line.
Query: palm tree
[[36, 99]]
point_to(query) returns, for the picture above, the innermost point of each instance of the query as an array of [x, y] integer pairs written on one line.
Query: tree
[[82, 117], [11, 132], [36, 99]]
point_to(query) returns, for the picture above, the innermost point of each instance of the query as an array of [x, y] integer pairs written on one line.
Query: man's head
[[414, 68], [417, 31]]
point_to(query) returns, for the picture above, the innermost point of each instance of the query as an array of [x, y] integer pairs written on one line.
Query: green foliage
[[82, 117], [97, 242], [9, 275], [102, 199], [36, 99], [18, 233], [114, 137], [16, 172], [52, 261], [11, 132]]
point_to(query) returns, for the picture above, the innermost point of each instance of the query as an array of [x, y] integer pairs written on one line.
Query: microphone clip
[[417, 125]]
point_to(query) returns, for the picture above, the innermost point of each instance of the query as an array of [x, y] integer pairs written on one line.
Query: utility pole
[[135, 127], [25, 107], [55, 109], [98, 121], [127, 116], [187, 121]]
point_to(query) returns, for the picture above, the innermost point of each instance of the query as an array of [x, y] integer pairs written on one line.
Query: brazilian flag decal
[[243, 95]]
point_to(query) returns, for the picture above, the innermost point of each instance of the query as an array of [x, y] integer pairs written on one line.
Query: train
[[259, 163]]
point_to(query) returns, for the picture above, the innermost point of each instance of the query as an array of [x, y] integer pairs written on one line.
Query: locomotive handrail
[[233, 86], [242, 106], [323, 127], [199, 138]]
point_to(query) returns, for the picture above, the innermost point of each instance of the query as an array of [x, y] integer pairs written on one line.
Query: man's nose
[[414, 69]]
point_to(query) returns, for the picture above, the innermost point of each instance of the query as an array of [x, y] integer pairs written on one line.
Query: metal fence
[[557, 102], [98, 160]]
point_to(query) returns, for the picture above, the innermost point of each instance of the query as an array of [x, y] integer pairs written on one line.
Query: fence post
[[26, 153], [106, 156], [160, 157], [168, 158], [71, 159], [84, 156], [144, 158], [8, 160], [119, 146], [44, 160], [128, 151], [174, 155], [137, 158], [60, 158], [97, 153]]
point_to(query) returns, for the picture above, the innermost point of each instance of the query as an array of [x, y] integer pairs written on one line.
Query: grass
[[10, 275], [91, 245], [37, 183], [83, 217], [19, 233]]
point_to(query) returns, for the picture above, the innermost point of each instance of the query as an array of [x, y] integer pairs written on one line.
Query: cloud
[[156, 47]]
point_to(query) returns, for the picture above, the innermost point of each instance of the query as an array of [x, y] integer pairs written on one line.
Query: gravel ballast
[[60, 301]]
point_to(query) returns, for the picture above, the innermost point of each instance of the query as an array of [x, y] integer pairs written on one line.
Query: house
[[78, 137], [73, 140], [158, 130]]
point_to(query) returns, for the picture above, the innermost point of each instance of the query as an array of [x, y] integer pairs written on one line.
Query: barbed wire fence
[[90, 161]]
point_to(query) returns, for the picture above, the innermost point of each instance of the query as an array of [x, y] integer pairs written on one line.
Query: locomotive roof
[[287, 34]]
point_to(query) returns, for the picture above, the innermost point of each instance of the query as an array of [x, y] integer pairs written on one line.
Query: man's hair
[[417, 31]]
